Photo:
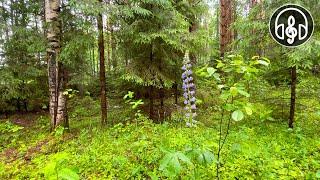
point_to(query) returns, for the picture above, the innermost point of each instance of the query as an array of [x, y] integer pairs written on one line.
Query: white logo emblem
[[291, 25]]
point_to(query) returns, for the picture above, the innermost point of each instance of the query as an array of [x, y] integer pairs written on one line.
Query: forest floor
[[145, 150]]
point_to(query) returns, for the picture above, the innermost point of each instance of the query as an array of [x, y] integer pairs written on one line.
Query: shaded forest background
[[75, 65]]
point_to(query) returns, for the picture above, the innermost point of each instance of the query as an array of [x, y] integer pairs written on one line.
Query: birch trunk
[[56, 78]]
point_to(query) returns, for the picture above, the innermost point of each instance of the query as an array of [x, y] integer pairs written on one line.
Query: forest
[[159, 89]]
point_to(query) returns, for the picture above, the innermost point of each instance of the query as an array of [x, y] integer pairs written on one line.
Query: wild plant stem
[[221, 144]]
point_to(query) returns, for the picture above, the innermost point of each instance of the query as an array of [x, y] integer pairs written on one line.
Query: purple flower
[[184, 86], [183, 75], [184, 67], [185, 95], [189, 91], [185, 102]]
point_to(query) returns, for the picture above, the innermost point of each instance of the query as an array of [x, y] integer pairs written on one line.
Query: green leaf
[[211, 71], [68, 174], [248, 110], [206, 158], [170, 163], [183, 158], [220, 64], [318, 174], [244, 93], [255, 57], [262, 62], [233, 91], [217, 76], [237, 115], [220, 86]]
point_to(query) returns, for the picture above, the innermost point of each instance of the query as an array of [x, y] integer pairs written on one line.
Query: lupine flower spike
[[188, 91]]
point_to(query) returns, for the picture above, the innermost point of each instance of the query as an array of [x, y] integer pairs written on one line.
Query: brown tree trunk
[[114, 47], [108, 34], [57, 101], [226, 19], [175, 86], [293, 95], [102, 71], [151, 102], [192, 28]]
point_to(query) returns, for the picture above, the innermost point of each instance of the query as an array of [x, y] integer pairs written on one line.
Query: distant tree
[[102, 75]]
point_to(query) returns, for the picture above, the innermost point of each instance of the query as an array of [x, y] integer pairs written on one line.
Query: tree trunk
[[57, 101], [293, 95], [192, 28], [226, 19], [151, 102], [175, 86], [102, 76], [113, 49], [109, 45]]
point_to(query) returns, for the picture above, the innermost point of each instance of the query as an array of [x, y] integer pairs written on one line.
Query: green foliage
[[24, 72], [171, 165], [135, 104], [56, 168], [8, 127], [237, 115], [144, 41], [9, 132], [165, 151], [231, 78]]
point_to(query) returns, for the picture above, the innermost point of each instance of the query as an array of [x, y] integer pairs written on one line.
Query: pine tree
[[102, 75]]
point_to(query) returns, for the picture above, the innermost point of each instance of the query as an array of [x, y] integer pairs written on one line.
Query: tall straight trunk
[[126, 61], [56, 79], [192, 28], [108, 45], [113, 49], [293, 95], [102, 76], [151, 104], [226, 19], [218, 22], [260, 16], [175, 86]]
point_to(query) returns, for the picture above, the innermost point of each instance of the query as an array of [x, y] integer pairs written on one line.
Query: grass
[[254, 149]]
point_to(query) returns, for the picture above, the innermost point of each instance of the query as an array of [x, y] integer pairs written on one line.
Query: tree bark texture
[[56, 78], [102, 75], [293, 95], [226, 20]]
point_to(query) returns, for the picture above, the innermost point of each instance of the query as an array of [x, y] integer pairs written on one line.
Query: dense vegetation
[[156, 89]]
